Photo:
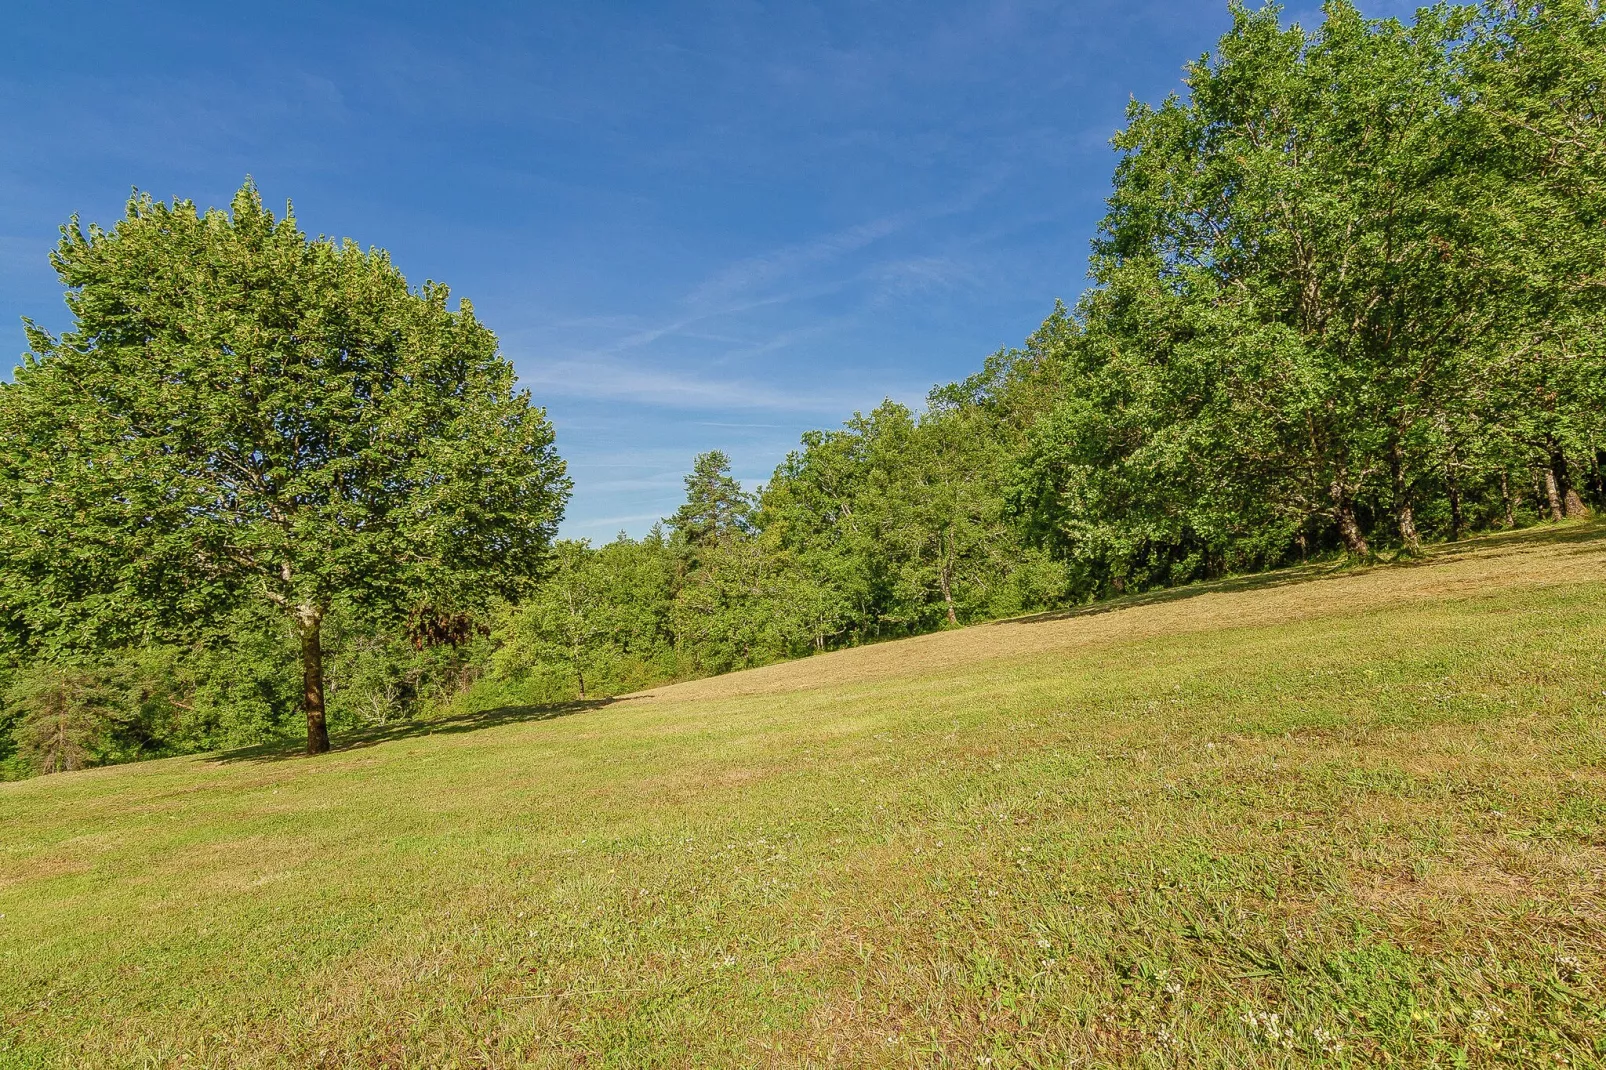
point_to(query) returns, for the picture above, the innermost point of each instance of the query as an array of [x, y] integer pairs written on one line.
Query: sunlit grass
[[1345, 819]]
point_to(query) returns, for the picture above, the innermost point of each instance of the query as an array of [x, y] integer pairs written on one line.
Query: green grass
[[1349, 818]]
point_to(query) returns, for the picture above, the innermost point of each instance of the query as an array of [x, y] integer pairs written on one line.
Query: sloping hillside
[[1316, 817]]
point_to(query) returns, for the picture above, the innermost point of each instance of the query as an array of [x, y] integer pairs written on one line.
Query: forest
[[1349, 297]]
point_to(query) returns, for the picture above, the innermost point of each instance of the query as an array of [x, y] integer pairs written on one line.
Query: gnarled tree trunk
[[1349, 528]]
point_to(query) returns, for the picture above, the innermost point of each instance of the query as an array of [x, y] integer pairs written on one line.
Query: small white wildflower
[[1044, 944], [1270, 1027], [1174, 988]]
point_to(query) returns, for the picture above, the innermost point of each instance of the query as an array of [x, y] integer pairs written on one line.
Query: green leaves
[[240, 414], [1326, 309]]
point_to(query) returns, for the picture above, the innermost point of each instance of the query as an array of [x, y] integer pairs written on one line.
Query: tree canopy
[[242, 414]]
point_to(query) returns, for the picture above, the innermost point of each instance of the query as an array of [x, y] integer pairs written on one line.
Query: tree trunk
[[1571, 501], [1350, 530], [1505, 499], [947, 595], [1453, 487], [1574, 504], [1560, 484], [581, 678], [942, 581], [1408, 533], [1404, 514], [1553, 493], [310, 620]]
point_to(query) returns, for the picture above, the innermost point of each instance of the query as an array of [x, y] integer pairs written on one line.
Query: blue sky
[[693, 226]]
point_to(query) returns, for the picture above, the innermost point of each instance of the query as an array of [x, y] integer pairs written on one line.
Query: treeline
[[1350, 291], [1349, 297], [894, 525]]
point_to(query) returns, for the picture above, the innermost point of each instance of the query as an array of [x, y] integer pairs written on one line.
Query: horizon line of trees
[[1349, 298]]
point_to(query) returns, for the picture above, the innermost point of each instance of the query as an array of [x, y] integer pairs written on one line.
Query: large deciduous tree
[[1292, 286], [1534, 133], [238, 414]]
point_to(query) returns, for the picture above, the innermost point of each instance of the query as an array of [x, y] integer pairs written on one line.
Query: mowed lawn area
[[1323, 817]]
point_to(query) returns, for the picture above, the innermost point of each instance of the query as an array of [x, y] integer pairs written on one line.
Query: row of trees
[[1349, 298], [1351, 295], [1352, 286], [894, 525]]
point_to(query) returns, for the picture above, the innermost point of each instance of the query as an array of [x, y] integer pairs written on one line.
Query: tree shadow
[[358, 739], [1577, 534]]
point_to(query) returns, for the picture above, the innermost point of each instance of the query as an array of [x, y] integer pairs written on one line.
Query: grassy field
[[1318, 818]]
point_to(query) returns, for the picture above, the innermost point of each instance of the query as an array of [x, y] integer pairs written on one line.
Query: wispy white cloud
[[600, 378], [607, 520], [754, 272], [670, 480], [778, 277], [604, 529]]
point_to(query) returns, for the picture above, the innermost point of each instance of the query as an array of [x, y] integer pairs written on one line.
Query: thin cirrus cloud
[[599, 378], [759, 282], [755, 273], [750, 284]]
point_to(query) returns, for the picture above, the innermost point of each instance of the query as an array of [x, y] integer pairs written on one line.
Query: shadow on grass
[[280, 750], [1579, 534]]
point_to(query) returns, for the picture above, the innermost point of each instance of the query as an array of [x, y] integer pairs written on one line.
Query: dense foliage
[[243, 419], [1350, 296]]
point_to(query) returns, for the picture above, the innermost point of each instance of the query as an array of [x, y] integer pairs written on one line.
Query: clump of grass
[[1335, 819]]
